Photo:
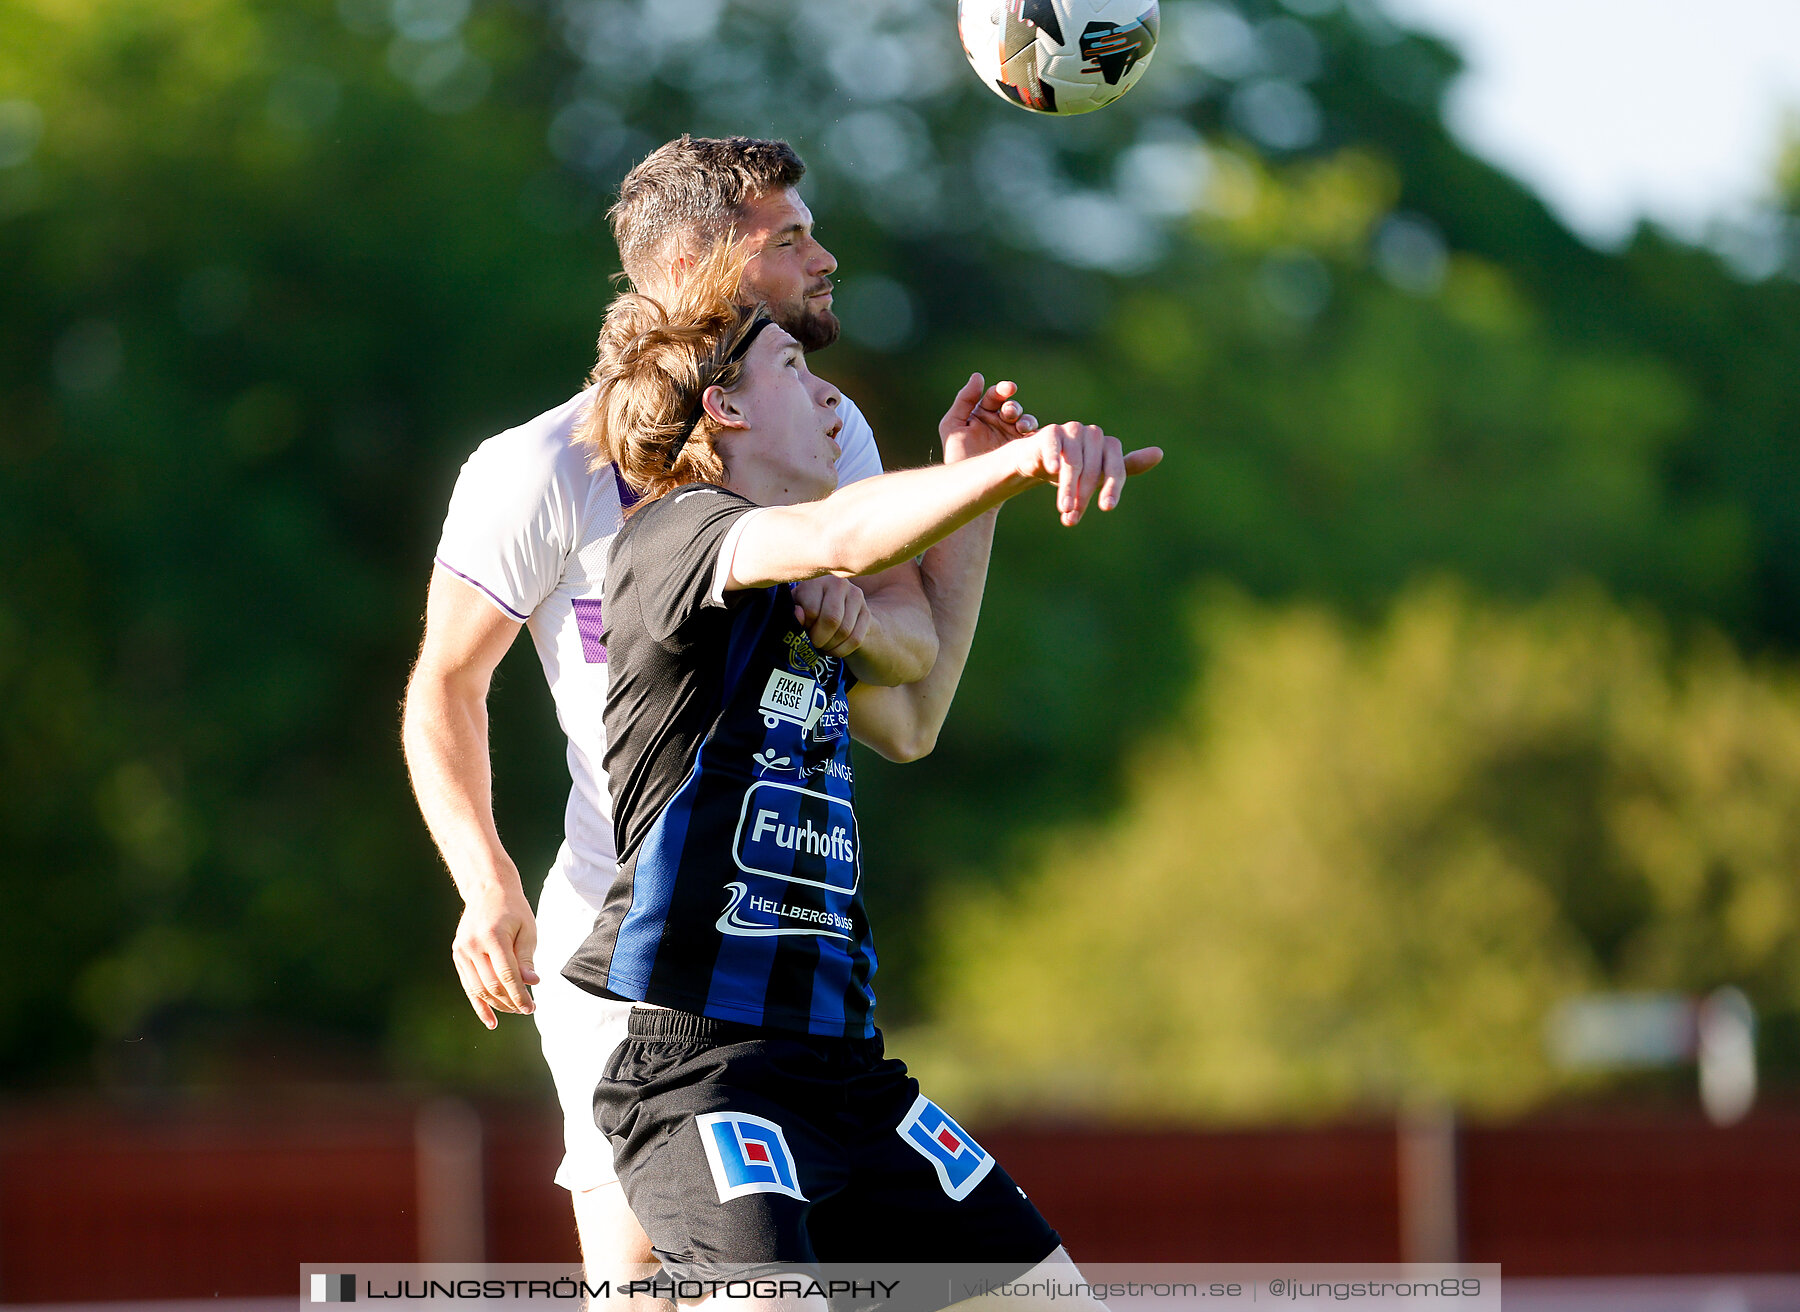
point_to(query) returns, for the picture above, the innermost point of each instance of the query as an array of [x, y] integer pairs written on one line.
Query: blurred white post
[[1726, 1050], [1430, 1194], [451, 1192]]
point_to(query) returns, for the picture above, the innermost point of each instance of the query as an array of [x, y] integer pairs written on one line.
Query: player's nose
[[823, 264]]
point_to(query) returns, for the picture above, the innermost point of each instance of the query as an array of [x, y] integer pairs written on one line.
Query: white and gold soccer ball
[[1059, 56]]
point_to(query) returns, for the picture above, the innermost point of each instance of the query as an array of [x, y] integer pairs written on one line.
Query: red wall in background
[[1260, 1196], [1633, 1194], [195, 1202]]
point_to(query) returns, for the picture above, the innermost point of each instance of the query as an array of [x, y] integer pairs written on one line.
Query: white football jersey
[[529, 527]]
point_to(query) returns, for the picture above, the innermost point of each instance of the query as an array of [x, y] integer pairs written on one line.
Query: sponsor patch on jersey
[[797, 834], [793, 698], [960, 1162], [805, 658], [833, 723], [748, 1155], [742, 907]]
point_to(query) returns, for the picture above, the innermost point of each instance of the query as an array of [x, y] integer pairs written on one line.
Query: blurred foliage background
[[1445, 669]]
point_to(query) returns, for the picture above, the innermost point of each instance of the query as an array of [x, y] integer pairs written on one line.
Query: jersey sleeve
[[861, 458], [507, 529], [676, 550]]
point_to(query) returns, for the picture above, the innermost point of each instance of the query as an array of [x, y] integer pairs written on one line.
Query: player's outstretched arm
[[903, 723], [444, 729], [922, 616], [879, 522]]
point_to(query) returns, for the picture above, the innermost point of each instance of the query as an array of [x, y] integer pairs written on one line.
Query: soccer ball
[[1059, 56]]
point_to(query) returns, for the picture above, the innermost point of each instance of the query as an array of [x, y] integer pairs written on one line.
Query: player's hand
[[834, 613], [493, 948], [980, 421], [1082, 460]]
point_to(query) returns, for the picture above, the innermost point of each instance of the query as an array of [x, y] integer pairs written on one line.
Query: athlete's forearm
[[872, 528], [445, 734], [878, 522], [954, 575], [901, 646], [903, 723]]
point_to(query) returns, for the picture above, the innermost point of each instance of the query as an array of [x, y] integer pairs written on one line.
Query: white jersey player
[[524, 546], [528, 530]]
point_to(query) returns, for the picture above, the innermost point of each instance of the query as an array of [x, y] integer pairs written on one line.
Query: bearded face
[[808, 318], [788, 269]]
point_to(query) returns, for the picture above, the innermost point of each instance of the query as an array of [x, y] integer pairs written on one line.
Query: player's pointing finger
[[1143, 459]]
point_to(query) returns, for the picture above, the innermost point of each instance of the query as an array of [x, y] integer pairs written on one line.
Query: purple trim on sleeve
[[483, 588], [627, 498], [587, 623]]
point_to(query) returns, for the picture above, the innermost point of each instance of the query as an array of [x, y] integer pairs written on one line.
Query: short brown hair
[[693, 186], [654, 364]]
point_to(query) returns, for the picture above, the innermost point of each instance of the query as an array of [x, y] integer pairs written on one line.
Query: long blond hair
[[654, 363]]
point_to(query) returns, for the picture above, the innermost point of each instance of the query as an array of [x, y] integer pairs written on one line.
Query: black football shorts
[[742, 1148]]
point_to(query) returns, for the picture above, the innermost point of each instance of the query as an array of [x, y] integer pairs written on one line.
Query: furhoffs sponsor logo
[[798, 835], [802, 837]]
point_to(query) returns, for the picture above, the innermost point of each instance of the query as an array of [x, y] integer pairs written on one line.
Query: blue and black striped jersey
[[740, 864]]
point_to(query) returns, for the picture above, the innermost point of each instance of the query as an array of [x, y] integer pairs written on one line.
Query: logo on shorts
[[960, 1162], [748, 1155]]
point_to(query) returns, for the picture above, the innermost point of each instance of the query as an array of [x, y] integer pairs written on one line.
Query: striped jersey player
[[755, 1117], [739, 893]]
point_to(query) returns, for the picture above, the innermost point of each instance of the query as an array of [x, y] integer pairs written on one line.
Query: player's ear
[[722, 408]]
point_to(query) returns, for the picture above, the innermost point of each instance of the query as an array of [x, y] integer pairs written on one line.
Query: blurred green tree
[[1360, 869], [275, 266]]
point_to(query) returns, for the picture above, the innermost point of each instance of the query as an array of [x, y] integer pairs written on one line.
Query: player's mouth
[[822, 292]]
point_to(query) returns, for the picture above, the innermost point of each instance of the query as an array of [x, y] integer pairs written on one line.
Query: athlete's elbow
[[411, 708], [918, 748], [918, 661], [913, 744], [434, 699]]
